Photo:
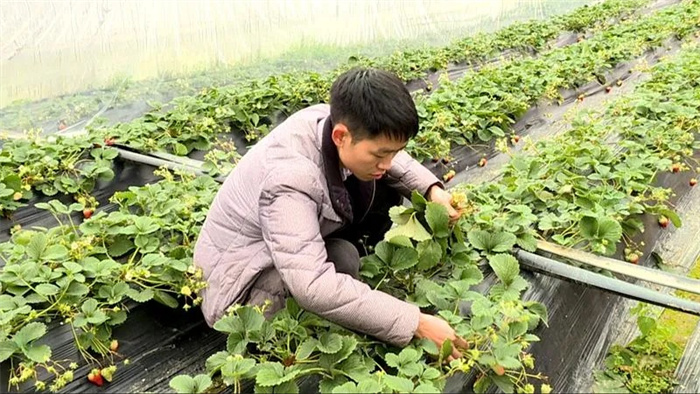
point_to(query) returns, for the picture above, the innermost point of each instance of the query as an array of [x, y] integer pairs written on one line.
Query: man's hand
[[437, 330], [440, 196]]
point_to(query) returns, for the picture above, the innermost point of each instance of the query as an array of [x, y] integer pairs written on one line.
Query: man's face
[[367, 159]]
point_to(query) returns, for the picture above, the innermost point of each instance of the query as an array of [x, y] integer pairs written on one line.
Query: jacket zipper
[[371, 201]]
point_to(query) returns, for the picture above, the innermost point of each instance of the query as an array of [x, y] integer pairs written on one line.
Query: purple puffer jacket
[[275, 208]]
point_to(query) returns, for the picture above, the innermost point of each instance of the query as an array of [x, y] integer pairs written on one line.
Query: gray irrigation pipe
[[646, 274], [560, 270], [156, 162], [177, 159]]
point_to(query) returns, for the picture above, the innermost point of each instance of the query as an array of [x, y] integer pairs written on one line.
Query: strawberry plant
[[50, 166], [221, 159], [646, 364], [88, 275]]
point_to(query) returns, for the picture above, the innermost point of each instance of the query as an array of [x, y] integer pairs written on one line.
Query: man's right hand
[[437, 330]]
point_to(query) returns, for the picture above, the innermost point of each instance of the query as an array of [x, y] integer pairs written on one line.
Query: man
[[296, 212]]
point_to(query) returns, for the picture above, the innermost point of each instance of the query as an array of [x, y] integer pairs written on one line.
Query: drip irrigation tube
[[559, 270], [635, 271]]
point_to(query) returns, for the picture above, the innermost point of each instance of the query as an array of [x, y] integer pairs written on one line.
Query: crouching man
[[297, 212]]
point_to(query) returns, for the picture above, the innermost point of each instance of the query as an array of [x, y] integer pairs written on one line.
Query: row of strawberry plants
[[532, 35], [484, 104], [35, 166], [589, 191], [254, 107], [86, 275], [433, 265], [409, 65], [252, 110], [73, 165]]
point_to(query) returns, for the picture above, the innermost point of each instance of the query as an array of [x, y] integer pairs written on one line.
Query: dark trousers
[[344, 247]]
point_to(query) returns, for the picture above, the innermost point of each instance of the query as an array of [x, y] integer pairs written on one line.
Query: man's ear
[[340, 134]]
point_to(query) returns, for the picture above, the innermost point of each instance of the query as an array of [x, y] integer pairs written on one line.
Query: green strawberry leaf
[[185, 384], [29, 333], [55, 253], [426, 388], [273, 374], [600, 228], [404, 258], [400, 214], [527, 242], [491, 242], [329, 343], [216, 361], [140, 296], [165, 299], [328, 361], [430, 253], [445, 350], [505, 267], [398, 384], [412, 229], [384, 250], [306, 348], [538, 309], [348, 387], [46, 289], [38, 353], [418, 201], [438, 219], [7, 349]]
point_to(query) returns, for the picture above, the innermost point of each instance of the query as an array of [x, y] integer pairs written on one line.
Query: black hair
[[373, 103]]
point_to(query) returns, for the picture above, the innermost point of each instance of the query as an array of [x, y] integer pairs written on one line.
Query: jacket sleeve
[[289, 218], [407, 174]]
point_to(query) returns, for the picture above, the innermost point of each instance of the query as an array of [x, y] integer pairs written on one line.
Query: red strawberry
[[114, 345], [693, 182], [499, 370], [95, 377], [676, 167], [663, 221], [608, 89], [483, 162], [87, 213], [633, 258], [515, 139]]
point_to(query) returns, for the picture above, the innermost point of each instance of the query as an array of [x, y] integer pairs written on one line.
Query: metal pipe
[[559, 270], [635, 271]]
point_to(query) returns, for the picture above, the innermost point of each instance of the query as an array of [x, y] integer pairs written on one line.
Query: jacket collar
[[340, 198]]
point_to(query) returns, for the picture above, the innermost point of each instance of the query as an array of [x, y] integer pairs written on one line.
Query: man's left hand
[[441, 196]]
